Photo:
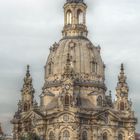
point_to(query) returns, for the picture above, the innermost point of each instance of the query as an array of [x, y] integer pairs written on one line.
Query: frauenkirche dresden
[[74, 103]]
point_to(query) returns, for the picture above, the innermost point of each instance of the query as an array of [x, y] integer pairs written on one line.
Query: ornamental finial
[[122, 77], [28, 71], [122, 68]]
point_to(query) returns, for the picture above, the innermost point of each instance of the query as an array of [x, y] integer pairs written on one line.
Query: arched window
[[66, 135], [51, 136], [69, 17], [84, 135], [67, 100], [94, 67], [105, 137], [25, 107], [80, 17], [122, 106], [50, 68], [120, 137], [99, 101]]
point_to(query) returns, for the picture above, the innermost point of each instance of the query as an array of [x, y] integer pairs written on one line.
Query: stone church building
[[74, 103]]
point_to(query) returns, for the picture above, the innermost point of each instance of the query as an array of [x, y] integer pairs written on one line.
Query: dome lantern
[[75, 18]]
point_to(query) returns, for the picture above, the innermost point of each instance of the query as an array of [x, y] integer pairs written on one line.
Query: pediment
[[32, 115], [93, 93], [48, 93], [107, 114]]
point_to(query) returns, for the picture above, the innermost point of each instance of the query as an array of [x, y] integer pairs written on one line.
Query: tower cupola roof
[[74, 1]]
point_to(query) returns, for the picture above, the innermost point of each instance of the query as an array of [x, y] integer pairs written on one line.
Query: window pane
[[69, 17], [66, 135], [84, 135], [105, 136], [51, 136], [99, 101], [122, 106], [80, 17], [120, 137]]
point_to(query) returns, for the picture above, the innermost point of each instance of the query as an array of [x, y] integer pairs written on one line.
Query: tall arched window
[[69, 17], [67, 100], [80, 17], [99, 101], [94, 67], [51, 136], [122, 106], [66, 135], [25, 107], [105, 137], [120, 137], [50, 68], [84, 135]]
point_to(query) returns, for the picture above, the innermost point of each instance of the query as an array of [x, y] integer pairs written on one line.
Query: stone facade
[[75, 103]]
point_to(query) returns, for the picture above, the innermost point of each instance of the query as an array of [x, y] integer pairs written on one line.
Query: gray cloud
[[29, 27]]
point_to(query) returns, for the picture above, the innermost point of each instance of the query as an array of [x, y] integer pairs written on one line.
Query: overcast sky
[[29, 27]]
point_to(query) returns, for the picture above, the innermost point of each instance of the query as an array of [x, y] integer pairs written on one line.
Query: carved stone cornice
[[90, 84], [82, 83]]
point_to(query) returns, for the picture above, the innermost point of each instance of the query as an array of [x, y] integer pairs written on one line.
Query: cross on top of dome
[[76, 1]]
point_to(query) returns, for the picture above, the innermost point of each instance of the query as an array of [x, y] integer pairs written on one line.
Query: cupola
[[75, 18]]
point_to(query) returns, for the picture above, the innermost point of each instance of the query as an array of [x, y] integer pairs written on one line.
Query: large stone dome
[[85, 59]]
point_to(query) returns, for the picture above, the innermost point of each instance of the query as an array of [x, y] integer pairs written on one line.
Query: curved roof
[[81, 52]]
